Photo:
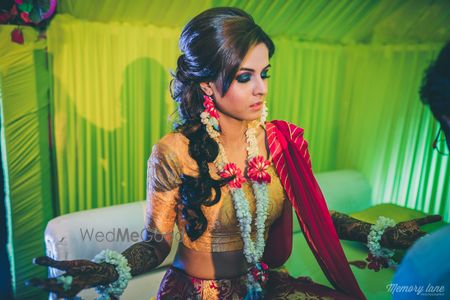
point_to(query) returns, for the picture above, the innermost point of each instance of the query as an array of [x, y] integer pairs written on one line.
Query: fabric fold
[[292, 162]]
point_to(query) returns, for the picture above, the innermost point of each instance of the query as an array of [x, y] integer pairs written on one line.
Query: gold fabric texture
[[169, 159]]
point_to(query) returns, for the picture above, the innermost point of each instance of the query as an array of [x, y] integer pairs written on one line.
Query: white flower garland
[[374, 237], [253, 251], [117, 287]]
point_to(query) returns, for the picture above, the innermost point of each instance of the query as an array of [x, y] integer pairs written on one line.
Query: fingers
[[44, 261], [48, 284], [72, 267], [52, 285], [50, 262], [37, 282], [428, 219]]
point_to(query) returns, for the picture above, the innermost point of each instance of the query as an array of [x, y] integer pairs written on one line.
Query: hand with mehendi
[[142, 257], [405, 233], [402, 236], [85, 274]]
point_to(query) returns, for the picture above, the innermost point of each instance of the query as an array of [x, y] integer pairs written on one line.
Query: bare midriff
[[210, 265]]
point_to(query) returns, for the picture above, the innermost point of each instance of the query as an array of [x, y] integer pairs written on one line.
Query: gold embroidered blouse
[[169, 159]]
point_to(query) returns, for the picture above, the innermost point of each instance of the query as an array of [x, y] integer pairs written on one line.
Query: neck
[[232, 131]]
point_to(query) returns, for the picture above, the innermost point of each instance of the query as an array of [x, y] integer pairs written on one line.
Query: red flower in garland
[[259, 273], [210, 108], [231, 169], [257, 169], [25, 17], [376, 263]]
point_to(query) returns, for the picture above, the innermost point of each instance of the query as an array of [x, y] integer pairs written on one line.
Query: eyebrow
[[251, 70]]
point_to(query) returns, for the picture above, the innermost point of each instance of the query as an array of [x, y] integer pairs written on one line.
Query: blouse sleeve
[[163, 181]]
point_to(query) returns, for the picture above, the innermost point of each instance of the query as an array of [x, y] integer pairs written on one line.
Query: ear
[[207, 89]]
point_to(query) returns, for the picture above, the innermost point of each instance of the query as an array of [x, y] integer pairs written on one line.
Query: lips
[[256, 104]]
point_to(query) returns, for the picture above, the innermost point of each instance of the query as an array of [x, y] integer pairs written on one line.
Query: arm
[[163, 180], [349, 228], [147, 255], [162, 192], [402, 236]]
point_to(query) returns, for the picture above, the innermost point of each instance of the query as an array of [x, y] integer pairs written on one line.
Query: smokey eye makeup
[[245, 77]]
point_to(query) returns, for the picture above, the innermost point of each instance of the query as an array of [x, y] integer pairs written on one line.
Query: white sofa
[[83, 234]]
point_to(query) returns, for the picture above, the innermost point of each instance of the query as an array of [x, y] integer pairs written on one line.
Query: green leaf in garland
[[26, 6], [35, 16]]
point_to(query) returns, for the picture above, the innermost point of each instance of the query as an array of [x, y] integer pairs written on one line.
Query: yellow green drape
[[110, 104], [360, 108], [24, 103], [358, 104]]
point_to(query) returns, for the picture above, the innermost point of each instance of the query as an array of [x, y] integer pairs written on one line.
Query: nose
[[260, 87]]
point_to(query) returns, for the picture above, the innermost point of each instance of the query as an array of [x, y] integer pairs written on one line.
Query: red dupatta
[[291, 159]]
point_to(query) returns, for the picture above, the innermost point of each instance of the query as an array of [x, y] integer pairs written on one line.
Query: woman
[[229, 180]]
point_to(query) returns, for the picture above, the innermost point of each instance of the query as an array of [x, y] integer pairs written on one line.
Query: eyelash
[[243, 77]]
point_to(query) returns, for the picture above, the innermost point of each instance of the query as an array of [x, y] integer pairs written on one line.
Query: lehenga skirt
[[176, 284]]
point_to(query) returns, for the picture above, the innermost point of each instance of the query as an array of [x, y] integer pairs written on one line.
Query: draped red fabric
[[291, 159]]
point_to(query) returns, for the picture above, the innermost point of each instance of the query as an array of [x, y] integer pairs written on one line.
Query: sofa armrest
[[345, 191], [81, 235]]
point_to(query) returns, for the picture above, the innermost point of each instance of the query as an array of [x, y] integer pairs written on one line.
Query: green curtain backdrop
[[387, 133], [360, 108], [24, 104], [111, 103], [358, 104]]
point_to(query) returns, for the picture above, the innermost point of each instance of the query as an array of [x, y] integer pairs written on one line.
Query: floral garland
[[117, 287], [378, 256], [257, 172]]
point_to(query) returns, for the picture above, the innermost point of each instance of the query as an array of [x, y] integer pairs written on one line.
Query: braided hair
[[213, 45]]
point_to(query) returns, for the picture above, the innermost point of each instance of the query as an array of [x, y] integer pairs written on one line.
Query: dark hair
[[435, 89], [213, 45]]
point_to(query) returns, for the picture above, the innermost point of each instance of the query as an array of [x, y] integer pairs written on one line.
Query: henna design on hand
[[349, 228], [402, 236], [142, 257]]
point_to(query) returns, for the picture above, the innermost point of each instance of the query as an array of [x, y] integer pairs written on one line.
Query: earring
[[210, 117], [264, 113]]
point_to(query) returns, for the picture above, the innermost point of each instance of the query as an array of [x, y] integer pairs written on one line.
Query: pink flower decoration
[[24, 15], [231, 169], [257, 169], [210, 108], [20, 2], [260, 274], [17, 36]]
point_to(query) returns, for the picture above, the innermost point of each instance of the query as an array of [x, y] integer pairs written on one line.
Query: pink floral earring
[[210, 116]]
